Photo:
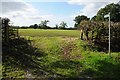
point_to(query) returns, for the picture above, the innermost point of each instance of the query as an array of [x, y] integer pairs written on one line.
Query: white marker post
[[108, 15], [109, 35]]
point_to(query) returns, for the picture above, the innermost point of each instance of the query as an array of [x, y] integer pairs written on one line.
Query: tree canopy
[[80, 18], [43, 24], [114, 10], [63, 25]]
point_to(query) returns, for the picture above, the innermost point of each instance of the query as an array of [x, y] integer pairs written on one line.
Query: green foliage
[[114, 10], [63, 25], [35, 26], [98, 32], [43, 24], [56, 26], [79, 18], [93, 18]]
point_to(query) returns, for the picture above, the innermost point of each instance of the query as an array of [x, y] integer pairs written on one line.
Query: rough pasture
[[49, 33], [58, 56]]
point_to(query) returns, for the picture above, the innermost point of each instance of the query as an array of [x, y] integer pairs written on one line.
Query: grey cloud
[[13, 6]]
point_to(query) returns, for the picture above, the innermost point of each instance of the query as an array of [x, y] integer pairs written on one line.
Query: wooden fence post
[[6, 29]]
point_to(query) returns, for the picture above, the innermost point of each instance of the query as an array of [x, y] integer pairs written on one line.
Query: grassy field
[[56, 54], [49, 33]]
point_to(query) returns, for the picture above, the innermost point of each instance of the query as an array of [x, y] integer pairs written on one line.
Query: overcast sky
[[27, 12]]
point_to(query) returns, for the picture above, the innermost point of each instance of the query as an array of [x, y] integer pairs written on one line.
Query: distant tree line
[[43, 25]]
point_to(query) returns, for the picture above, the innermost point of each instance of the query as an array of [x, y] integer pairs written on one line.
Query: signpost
[[108, 15]]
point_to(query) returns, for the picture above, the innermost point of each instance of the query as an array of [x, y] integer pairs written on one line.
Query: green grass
[[57, 56], [48, 33]]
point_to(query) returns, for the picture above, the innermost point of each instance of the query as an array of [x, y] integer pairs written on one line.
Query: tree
[[79, 18], [31, 26], [63, 25], [114, 9], [35, 26], [43, 24], [94, 18], [56, 26]]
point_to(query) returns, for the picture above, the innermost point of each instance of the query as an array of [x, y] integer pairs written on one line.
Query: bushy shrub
[[99, 32]]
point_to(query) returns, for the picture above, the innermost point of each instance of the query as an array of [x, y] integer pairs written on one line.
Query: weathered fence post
[[6, 21]]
